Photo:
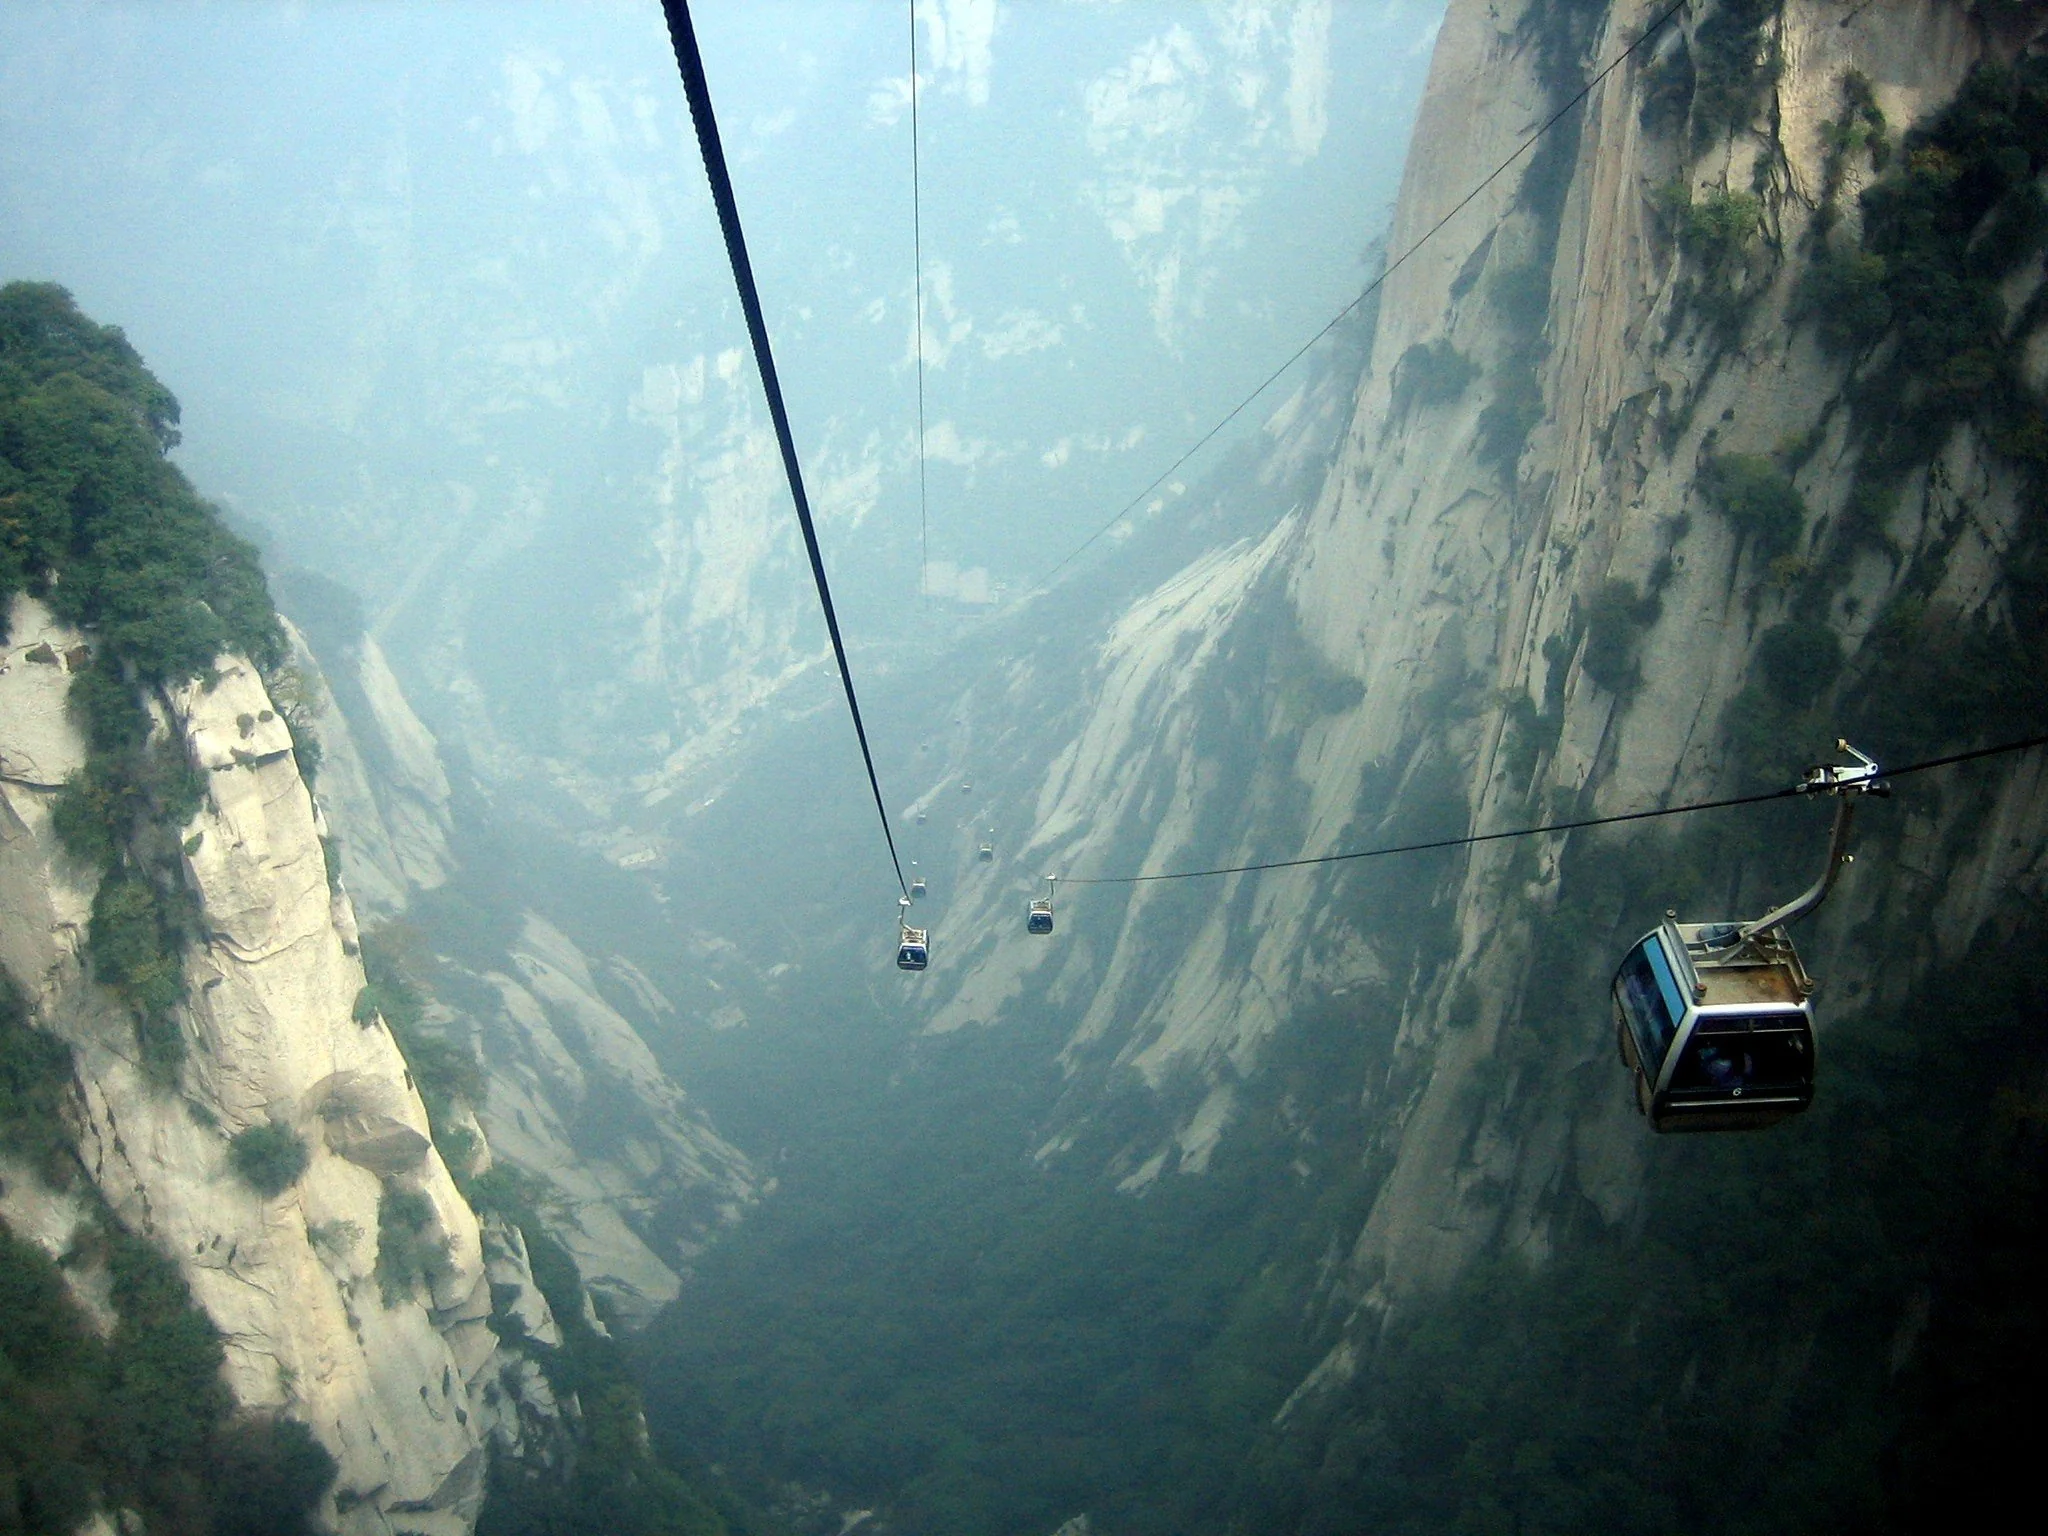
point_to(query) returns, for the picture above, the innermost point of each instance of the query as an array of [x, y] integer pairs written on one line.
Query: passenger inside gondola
[[1745, 1053], [1724, 1064]]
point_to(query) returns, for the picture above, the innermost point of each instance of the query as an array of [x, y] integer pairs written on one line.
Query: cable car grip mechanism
[[1848, 782]]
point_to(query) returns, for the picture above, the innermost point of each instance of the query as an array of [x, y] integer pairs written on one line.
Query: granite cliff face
[[405, 1391], [1526, 587], [410, 1387]]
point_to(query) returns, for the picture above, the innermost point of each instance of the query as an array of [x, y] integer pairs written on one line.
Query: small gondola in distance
[[913, 945], [1039, 919]]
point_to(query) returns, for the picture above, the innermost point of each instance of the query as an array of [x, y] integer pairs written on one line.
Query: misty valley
[[1022, 769]]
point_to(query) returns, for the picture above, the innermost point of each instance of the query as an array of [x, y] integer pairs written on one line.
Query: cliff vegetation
[[96, 522]]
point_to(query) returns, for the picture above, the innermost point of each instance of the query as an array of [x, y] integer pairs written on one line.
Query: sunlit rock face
[[404, 1393], [1411, 655]]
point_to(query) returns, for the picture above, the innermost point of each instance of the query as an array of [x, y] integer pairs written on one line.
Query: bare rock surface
[[290, 1281]]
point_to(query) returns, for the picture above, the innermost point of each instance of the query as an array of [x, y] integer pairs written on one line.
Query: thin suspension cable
[[1965, 757], [1547, 828], [1370, 289], [924, 552], [683, 35]]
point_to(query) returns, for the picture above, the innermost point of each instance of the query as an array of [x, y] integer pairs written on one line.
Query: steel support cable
[[1370, 289], [683, 35], [924, 552], [1965, 757], [1547, 828]]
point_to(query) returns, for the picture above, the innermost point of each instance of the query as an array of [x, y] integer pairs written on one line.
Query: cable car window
[[1649, 1012], [1747, 1052]]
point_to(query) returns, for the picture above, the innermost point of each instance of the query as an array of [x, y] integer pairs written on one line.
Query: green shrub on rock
[[269, 1157], [1843, 293], [1431, 373], [1758, 499], [35, 1085], [50, 1365], [1717, 233], [409, 1257], [1616, 617], [278, 1473], [1736, 60], [137, 942], [1799, 661]]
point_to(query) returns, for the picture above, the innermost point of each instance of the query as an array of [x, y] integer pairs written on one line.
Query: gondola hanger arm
[[1848, 783]]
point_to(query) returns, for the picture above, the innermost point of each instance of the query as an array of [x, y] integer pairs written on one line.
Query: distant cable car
[[987, 851], [913, 946], [1714, 1021], [920, 818], [916, 883], [967, 786], [1040, 919]]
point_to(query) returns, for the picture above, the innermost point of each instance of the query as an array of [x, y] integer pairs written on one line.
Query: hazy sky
[[440, 288]]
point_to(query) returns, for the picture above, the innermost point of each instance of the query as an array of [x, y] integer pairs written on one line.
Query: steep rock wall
[[1548, 387], [387, 794], [1639, 394], [404, 1393]]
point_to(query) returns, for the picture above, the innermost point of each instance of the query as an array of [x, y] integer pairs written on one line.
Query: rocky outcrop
[[404, 1389]]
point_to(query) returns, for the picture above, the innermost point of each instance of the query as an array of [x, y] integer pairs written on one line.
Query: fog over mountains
[[480, 360]]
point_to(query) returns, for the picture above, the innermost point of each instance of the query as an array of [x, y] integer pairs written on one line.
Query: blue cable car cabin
[[1040, 918], [913, 951], [1716, 1029]]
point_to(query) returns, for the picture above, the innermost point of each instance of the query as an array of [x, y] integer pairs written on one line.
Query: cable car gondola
[[1714, 1021], [916, 884], [1040, 918], [913, 945]]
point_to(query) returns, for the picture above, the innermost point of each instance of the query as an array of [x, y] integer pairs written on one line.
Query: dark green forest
[[1829, 1327]]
